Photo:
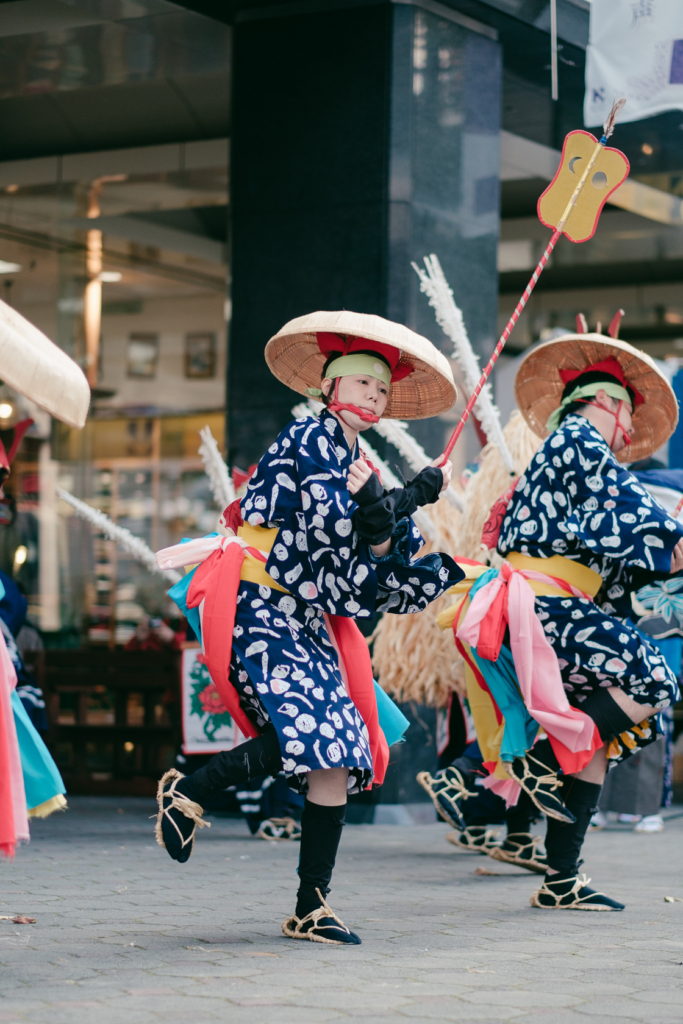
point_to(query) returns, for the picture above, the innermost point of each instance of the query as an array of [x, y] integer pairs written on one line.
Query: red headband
[[610, 366], [331, 344], [19, 431]]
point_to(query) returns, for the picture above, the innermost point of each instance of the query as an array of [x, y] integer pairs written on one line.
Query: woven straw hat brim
[[295, 359], [36, 368], [538, 388]]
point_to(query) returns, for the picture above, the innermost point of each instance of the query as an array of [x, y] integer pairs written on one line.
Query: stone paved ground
[[125, 935]]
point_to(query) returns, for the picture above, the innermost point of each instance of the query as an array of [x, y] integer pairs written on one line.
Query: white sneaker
[[598, 821], [629, 818], [650, 823]]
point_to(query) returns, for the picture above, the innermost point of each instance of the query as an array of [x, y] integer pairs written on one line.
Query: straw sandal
[[540, 783], [321, 925], [279, 829], [521, 848], [178, 818], [447, 789], [475, 838], [571, 893]]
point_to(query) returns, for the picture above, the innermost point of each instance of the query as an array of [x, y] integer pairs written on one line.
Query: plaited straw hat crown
[[294, 357], [538, 387]]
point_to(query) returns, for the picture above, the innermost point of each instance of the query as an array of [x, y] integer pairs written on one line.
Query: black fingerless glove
[[374, 518], [423, 489]]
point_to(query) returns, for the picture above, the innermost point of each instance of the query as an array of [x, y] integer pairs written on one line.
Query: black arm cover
[[423, 489], [374, 519], [370, 492]]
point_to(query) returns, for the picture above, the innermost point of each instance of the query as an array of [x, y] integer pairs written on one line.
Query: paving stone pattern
[[123, 934]]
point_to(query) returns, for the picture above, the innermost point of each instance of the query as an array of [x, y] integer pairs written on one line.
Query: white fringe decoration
[[216, 470], [398, 434], [449, 317], [389, 479], [127, 540]]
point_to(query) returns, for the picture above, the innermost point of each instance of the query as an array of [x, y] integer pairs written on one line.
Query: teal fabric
[[178, 593], [42, 780], [393, 722], [520, 728]]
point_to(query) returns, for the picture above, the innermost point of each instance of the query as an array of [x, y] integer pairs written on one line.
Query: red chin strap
[[336, 406], [617, 425]]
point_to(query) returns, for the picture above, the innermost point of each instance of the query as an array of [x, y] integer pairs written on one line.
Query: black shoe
[[476, 838], [541, 784], [521, 848], [571, 892], [178, 816], [321, 925], [448, 790]]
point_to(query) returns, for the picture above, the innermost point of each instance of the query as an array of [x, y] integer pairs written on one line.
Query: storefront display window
[[120, 257]]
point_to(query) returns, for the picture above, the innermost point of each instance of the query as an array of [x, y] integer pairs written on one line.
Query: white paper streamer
[[124, 538], [216, 470], [449, 318]]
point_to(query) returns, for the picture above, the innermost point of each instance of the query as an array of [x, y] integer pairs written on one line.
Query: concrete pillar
[[364, 137]]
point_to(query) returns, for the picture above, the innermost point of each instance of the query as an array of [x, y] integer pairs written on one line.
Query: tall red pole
[[503, 338]]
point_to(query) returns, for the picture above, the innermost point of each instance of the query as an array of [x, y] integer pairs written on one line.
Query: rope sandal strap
[[481, 842], [534, 782], [324, 911], [178, 802], [569, 899], [279, 828], [524, 854], [452, 784]]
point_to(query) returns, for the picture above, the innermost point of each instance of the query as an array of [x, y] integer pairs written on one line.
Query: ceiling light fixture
[[9, 268]]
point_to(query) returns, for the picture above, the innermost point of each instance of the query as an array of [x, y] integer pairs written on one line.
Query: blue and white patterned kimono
[[284, 665], [577, 501]]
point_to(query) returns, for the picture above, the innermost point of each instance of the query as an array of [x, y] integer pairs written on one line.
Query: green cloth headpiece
[[610, 388], [357, 362]]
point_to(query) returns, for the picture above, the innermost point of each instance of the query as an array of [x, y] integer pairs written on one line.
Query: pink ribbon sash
[[509, 599]]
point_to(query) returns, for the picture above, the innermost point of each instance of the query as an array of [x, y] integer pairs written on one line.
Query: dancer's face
[[608, 413], [366, 392]]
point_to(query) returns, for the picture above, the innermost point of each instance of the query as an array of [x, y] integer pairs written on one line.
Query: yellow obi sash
[[571, 572], [566, 569], [253, 569]]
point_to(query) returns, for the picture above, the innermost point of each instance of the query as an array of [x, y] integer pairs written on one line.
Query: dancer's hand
[[446, 467], [359, 474], [677, 557]]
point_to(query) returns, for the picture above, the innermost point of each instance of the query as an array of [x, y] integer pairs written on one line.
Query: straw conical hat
[[538, 387], [295, 359], [40, 370]]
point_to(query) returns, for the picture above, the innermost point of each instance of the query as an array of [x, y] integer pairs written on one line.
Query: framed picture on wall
[[143, 355], [200, 354]]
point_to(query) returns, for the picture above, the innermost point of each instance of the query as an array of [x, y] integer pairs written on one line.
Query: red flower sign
[[211, 701]]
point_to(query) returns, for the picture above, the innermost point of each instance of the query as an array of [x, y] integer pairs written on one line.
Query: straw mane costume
[[544, 637], [279, 595]]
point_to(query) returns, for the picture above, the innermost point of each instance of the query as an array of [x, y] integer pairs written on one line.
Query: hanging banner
[[635, 50], [207, 726]]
